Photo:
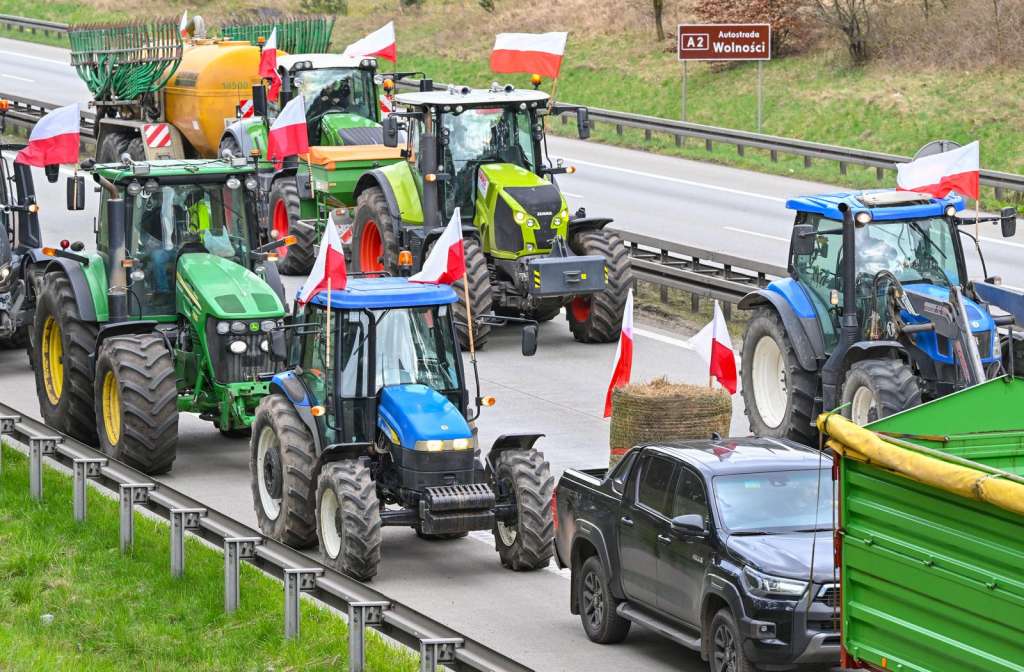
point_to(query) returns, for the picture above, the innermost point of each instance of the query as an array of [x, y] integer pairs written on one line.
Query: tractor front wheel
[[374, 234], [137, 402], [525, 542], [877, 388], [597, 318], [480, 294], [348, 518], [285, 212], [283, 468]]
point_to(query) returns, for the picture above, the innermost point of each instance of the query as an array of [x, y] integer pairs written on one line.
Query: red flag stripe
[[968, 184], [723, 365], [540, 62], [622, 372], [56, 149]]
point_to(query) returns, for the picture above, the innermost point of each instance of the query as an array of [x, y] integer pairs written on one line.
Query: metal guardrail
[[23, 24], [301, 573]]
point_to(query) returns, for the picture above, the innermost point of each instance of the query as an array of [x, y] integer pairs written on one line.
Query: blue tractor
[[372, 424], [876, 316]]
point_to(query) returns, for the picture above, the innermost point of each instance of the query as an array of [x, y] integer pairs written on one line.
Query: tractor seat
[[328, 156], [370, 135]]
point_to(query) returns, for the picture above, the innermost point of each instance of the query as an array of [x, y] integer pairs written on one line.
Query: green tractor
[[480, 150], [342, 97], [171, 313]]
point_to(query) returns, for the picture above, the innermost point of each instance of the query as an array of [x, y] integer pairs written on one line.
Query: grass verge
[[118, 613]]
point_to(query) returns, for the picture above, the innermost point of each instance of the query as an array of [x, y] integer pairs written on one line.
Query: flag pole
[[469, 318], [327, 356]]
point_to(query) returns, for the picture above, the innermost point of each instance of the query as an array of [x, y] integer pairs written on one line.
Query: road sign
[[725, 42]]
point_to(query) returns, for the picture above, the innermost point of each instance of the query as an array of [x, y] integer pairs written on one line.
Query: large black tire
[[480, 293], [597, 605], [528, 542], [136, 149], [228, 142], [296, 259], [16, 341], [374, 234], [725, 645], [64, 346], [877, 388], [348, 519], [112, 147], [787, 414], [137, 402], [597, 318], [34, 286], [283, 473]]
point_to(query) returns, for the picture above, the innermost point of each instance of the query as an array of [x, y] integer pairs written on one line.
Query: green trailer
[[930, 538]]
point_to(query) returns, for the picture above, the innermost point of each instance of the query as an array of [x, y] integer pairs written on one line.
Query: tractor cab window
[[334, 91], [478, 136], [920, 250], [416, 345], [820, 272]]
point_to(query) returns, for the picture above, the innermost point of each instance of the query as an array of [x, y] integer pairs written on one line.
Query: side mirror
[[278, 345], [801, 242], [583, 122], [391, 132], [1008, 221], [52, 172], [690, 526], [76, 192], [529, 340], [259, 101]]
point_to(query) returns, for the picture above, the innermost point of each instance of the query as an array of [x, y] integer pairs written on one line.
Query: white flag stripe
[[293, 113], [929, 170], [552, 43], [378, 40], [436, 262], [61, 121], [715, 330], [271, 42], [330, 239]]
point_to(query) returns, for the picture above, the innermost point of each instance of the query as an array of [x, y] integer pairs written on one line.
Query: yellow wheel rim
[[111, 405], [52, 360]]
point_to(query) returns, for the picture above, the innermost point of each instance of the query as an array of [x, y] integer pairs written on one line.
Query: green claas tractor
[[378, 428], [342, 96], [171, 313], [481, 151]]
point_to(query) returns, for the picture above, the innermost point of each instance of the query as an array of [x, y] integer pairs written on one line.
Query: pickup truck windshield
[[779, 501]]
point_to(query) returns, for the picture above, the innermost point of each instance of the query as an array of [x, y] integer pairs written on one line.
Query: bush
[[788, 19], [338, 7], [488, 5]]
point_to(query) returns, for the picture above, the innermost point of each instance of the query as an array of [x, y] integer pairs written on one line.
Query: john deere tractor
[[172, 312], [372, 424], [877, 314], [481, 151]]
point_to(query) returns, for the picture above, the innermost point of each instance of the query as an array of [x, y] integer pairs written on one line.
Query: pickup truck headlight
[[5, 271], [765, 585]]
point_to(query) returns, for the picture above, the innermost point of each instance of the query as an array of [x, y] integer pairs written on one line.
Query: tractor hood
[[344, 128], [980, 319], [223, 289], [418, 413], [526, 211], [521, 189]]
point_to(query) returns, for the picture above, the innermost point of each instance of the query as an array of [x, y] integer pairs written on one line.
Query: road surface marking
[[662, 338], [755, 233], [20, 79], [571, 195], [679, 180], [35, 58]]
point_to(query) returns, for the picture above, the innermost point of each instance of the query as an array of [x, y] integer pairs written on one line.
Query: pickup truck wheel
[[727, 646], [525, 542], [597, 605]]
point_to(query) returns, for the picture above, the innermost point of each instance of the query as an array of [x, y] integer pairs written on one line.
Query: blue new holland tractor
[[876, 315], [372, 424]]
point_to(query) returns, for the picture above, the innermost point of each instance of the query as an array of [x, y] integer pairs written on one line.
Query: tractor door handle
[[662, 539], [627, 521]]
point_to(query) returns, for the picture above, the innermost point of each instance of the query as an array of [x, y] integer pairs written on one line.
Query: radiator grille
[[231, 368]]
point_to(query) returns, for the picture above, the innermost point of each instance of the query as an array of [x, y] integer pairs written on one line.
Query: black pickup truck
[[711, 544]]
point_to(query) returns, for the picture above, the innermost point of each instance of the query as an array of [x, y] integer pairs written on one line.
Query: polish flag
[[268, 65], [446, 262], [379, 43], [54, 138], [535, 53], [183, 25], [938, 174], [623, 355], [328, 269], [287, 135], [714, 345]]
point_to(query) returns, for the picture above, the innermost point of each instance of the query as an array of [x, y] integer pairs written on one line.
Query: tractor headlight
[[437, 445], [238, 327], [532, 223], [238, 347], [267, 325], [264, 345], [520, 217], [223, 328], [863, 218], [233, 183], [250, 183], [462, 444], [433, 445]]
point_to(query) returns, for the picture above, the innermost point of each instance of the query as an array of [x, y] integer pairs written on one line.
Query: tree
[[659, 11], [785, 16], [853, 18]]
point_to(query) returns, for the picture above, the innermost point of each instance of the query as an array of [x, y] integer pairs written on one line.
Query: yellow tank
[[212, 78]]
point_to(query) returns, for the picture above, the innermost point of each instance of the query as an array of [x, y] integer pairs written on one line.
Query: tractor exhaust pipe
[[849, 328], [117, 279]]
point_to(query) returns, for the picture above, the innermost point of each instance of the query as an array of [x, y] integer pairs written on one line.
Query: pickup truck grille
[[828, 595]]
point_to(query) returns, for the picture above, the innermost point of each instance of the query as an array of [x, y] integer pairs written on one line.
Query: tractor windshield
[[206, 217], [920, 250], [335, 90], [417, 345]]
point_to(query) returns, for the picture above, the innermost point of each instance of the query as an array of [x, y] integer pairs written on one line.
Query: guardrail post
[[296, 581], [235, 550], [37, 447], [647, 134], [7, 423], [879, 173], [618, 128], [842, 168], [708, 145], [679, 140], [774, 154], [663, 289], [181, 520], [84, 468], [1000, 194], [131, 494], [740, 149], [360, 616], [434, 652], [807, 162]]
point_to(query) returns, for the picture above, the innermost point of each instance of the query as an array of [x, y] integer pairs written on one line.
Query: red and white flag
[[268, 65], [328, 269], [623, 355], [287, 135], [183, 25], [714, 345], [535, 53], [54, 138], [938, 174], [379, 43], [446, 262]]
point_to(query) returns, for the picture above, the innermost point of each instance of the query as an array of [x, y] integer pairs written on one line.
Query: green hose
[[126, 61], [295, 34]]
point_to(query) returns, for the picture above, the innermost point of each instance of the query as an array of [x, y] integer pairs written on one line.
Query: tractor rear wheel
[[348, 518], [527, 541], [480, 293], [778, 394], [64, 345], [597, 318], [285, 212], [137, 402], [877, 388], [283, 468], [114, 144], [374, 237]]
